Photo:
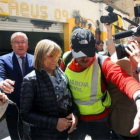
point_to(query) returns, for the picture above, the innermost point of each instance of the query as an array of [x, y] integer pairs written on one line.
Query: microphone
[[11, 102], [123, 34], [8, 101], [131, 22]]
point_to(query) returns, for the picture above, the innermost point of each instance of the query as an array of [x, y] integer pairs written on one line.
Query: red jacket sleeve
[[62, 65], [120, 78]]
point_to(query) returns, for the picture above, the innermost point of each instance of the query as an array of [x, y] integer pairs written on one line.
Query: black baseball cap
[[83, 43]]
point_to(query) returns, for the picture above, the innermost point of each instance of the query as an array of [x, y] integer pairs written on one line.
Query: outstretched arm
[[126, 84], [110, 43], [134, 56]]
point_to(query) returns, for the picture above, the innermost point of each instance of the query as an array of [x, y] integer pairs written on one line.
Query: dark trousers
[[15, 128], [129, 138], [42, 134], [114, 135], [97, 130]]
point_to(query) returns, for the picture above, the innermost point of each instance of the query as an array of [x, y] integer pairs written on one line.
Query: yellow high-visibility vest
[[86, 90]]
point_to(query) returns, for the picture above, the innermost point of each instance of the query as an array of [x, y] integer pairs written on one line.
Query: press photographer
[[134, 33], [123, 110], [117, 52], [120, 48]]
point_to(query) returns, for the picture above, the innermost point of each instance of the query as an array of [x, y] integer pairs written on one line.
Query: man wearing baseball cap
[[88, 75]]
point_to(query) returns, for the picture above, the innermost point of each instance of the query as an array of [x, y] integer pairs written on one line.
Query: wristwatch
[[137, 70]]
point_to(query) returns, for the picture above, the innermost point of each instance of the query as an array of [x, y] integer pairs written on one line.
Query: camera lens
[[120, 50], [105, 19], [138, 31]]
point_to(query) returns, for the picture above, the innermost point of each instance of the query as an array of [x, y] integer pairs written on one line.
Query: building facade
[[52, 19]]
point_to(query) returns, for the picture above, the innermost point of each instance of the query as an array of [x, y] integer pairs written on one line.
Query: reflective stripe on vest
[[93, 87]]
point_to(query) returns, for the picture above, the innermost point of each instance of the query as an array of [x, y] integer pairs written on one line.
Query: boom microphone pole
[[131, 22]]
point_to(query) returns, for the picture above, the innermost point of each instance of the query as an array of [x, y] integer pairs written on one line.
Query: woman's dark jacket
[[38, 105]]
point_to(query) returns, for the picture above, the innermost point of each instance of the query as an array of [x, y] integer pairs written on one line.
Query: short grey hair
[[18, 34]]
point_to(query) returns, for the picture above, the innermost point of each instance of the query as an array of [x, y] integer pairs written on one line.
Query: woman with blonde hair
[[46, 101]]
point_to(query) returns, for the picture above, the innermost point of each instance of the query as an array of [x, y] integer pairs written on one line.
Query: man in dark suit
[[13, 67]]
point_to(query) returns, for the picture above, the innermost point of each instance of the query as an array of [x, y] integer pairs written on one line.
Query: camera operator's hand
[[109, 30], [134, 56], [110, 43], [108, 26], [137, 38], [134, 53]]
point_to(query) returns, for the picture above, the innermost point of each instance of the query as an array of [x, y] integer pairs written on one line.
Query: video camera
[[112, 17], [120, 48], [137, 11]]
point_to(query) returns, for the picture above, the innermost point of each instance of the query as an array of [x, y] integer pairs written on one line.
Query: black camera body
[[137, 11], [120, 50], [112, 17], [128, 33]]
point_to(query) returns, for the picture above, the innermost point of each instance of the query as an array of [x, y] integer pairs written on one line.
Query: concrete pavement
[[4, 134]]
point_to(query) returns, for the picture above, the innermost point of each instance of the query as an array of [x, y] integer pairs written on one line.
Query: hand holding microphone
[[4, 99], [11, 102]]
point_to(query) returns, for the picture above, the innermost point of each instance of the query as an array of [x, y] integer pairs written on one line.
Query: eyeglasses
[[54, 56], [22, 42]]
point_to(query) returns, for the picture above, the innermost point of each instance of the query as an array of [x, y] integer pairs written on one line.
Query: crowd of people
[[90, 93]]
